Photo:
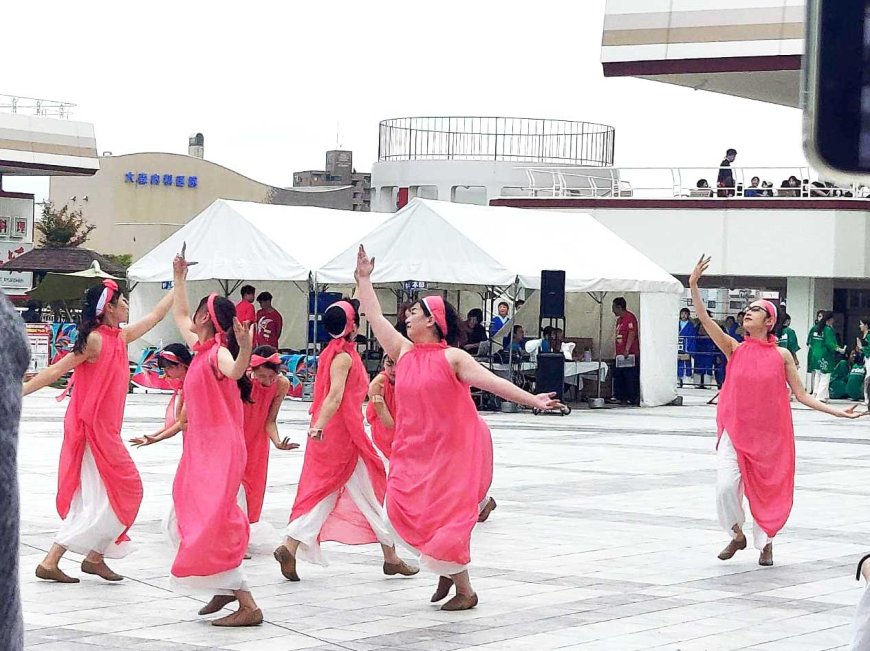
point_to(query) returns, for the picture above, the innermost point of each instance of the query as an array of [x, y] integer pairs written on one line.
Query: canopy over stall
[[274, 248], [466, 245]]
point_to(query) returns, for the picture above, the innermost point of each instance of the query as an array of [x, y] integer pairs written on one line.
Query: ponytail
[[89, 319]]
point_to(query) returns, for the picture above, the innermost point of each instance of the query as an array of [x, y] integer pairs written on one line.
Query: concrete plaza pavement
[[605, 538]]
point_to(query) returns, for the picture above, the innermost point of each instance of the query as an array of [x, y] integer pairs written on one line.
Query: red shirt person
[[269, 322], [626, 375], [245, 307]]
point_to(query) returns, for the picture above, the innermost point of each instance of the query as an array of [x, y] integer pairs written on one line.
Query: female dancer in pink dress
[[341, 490], [437, 464], [98, 486], [755, 446], [173, 360], [269, 388], [210, 528]]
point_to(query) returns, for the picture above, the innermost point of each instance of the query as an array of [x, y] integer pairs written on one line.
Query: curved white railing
[[35, 106]]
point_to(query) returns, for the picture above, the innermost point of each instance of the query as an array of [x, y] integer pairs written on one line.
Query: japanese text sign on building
[[167, 180]]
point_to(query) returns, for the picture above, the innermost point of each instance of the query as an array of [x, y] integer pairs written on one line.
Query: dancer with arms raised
[[755, 448], [438, 468], [98, 487]]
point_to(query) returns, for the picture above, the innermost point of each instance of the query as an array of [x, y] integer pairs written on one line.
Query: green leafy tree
[[63, 228], [121, 259]]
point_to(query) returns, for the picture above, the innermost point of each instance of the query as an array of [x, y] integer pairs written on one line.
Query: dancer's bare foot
[[443, 589], [461, 602], [99, 568], [486, 510], [242, 617], [766, 557], [737, 543], [54, 574], [287, 562], [217, 602], [391, 569]]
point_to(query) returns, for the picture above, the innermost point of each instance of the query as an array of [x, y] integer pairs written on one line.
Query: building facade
[[339, 172], [138, 200]]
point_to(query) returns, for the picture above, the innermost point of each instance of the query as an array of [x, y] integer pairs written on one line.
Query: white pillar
[[805, 297]]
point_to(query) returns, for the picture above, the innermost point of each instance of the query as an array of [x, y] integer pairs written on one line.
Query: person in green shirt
[[788, 339], [839, 378], [824, 347], [855, 383], [811, 363]]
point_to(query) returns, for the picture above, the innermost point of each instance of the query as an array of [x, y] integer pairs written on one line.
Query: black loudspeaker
[[550, 374], [552, 295]]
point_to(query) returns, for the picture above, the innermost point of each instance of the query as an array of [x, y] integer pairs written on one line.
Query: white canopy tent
[[453, 244], [275, 248]]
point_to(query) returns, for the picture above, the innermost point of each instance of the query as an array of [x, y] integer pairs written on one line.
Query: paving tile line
[[203, 602]]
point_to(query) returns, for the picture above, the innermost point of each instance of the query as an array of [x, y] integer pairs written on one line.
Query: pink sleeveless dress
[[329, 463], [382, 436], [257, 444], [212, 528], [754, 409], [94, 417], [441, 461]]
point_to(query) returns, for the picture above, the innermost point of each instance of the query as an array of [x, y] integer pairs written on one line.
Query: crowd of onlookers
[[727, 186]]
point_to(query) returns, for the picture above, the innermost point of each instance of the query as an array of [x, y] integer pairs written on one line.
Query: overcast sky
[[269, 83]]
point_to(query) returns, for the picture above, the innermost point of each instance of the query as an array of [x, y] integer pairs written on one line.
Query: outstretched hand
[[244, 334], [140, 441], [285, 444], [364, 265], [699, 270], [851, 413], [546, 401]]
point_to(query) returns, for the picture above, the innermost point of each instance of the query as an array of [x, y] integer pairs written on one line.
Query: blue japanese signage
[[169, 180]]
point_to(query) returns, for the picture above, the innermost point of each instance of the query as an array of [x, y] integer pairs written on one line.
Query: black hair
[[517, 328], [702, 183], [225, 312], [731, 152], [546, 332], [335, 320], [686, 310], [820, 326], [505, 303], [779, 324], [90, 321], [263, 296], [865, 320], [787, 317], [518, 304], [477, 313], [619, 301], [247, 289], [267, 351], [180, 351], [452, 318]]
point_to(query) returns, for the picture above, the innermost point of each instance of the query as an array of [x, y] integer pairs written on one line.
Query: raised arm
[[723, 341], [393, 343], [180, 306], [236, 368], [63, 366], [137, 329], [470, 371], [800, 393]]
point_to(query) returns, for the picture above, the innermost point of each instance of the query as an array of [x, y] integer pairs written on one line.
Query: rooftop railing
[[35, 106], [682, 182]]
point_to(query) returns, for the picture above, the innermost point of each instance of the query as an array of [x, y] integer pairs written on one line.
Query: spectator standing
[[500, 319], [788, 339], [725, 180], [269, 322], [626, 375], [245, 307], [825, 347], [686, 332]]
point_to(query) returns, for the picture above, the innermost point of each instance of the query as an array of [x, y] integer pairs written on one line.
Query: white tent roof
[[240, 240], [443, 242]]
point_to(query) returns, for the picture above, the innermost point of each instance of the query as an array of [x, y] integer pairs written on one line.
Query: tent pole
[[599, 298]]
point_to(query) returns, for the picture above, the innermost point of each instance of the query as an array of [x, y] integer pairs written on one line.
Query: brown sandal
[[766, 557], [391, 569], [491, 506], [242, 617], [287, 562], [732, 548], [443, 589], [100, 569], [217, 603], [55, 574], [461, 602]]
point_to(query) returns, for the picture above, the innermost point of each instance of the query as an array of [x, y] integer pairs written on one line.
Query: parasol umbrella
[[70, 286]]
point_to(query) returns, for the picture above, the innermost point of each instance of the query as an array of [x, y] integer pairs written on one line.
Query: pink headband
[[218, 331], [169, 355], [435, 305], [770, 307], [110, 288], [257, 360], [350, 317]]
